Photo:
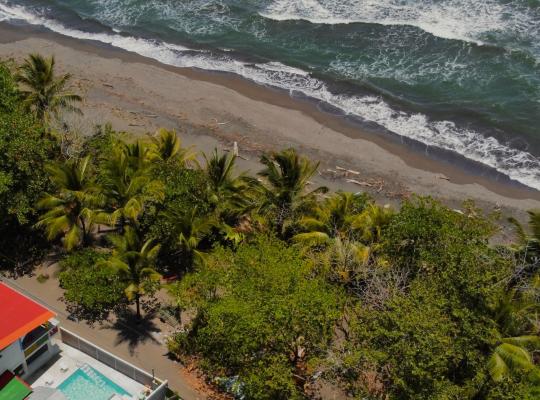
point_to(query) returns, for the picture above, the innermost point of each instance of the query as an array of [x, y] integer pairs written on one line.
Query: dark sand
[[138, 94]]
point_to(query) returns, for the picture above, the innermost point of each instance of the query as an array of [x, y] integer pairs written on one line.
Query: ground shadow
[[134, 331]]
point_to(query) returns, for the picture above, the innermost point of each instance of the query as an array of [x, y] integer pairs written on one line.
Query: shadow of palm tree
[[134, 331]]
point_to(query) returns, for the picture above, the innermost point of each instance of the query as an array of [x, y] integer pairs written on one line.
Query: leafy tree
[[90, 292], [44, 93], [71, 211], [261, 315], [23, 154], [430, 337], [133, 259]]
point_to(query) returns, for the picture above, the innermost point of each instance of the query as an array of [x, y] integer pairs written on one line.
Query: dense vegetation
[[282, 288]]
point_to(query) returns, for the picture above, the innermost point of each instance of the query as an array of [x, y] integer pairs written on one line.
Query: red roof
[[18, 315]]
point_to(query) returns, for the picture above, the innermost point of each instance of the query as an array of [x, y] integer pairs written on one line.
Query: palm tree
[[138, 154], [70, 212], [286, 175], [127, 187], [190, 232], [528, 246], [371, 221], [227, 191], [43, 92], [331, 219], [133, 259], [219, 170], [168, 147], [519, 336]]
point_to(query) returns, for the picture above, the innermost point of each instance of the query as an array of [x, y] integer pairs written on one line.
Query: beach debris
[[347, 171], [220, 123], [235, 152], [377, 184], [108, 85], [144, 114], [443, 177]]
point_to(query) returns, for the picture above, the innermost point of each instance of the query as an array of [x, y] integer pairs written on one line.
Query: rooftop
[[19, 315]]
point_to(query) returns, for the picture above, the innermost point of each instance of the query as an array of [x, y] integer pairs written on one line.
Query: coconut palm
[[330, 219], [528, 246], [44, 93], [519, 332], [71, 211], [168, 147], [133, 259], [369, 224], [190, 232], [286, 176], [128, 186], [139, 154], [228, 192]]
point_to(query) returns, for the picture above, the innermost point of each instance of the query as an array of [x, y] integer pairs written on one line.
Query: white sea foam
[[463, 20], [519, 165]]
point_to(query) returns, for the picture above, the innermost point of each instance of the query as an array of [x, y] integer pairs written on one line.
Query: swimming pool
[[86, 383]]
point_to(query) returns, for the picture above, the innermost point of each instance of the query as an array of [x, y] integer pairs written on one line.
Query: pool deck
[[54, 373]]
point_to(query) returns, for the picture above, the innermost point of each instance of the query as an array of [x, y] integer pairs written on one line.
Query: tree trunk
[[84, 234], [138, 305]]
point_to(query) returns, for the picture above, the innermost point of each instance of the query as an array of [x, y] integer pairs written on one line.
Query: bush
[[90, 291]]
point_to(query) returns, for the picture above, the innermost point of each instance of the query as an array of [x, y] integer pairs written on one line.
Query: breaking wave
[[518, 165]]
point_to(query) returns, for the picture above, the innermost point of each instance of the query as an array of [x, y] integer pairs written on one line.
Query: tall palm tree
[[227, 190], [71, 211], [168, 147], [286, 175], [133, 259], [44, 93]]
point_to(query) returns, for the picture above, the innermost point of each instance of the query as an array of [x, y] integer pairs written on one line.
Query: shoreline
[[243, 112]]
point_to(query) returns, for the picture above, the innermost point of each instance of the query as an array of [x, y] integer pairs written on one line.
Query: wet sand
[[138, 95]]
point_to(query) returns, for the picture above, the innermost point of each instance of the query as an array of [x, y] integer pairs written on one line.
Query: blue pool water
[[86, 383]]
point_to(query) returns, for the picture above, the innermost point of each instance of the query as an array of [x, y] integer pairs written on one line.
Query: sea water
[[459, 75]]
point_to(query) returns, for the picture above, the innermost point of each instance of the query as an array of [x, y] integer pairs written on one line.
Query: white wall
[[12, 357]]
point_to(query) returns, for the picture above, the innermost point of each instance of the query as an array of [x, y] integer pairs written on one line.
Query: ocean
[[458, 75]]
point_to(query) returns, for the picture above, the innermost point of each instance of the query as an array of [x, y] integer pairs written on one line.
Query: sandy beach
[[209, 110]]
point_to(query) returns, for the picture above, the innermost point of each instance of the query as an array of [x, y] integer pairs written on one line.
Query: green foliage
[[71, 211], [43, 92], [258, 307], [133, 262], [407, 304], [23, 154], [90, 291]]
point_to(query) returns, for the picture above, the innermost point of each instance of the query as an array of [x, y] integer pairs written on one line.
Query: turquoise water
[[86, 383], [459, 75]]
